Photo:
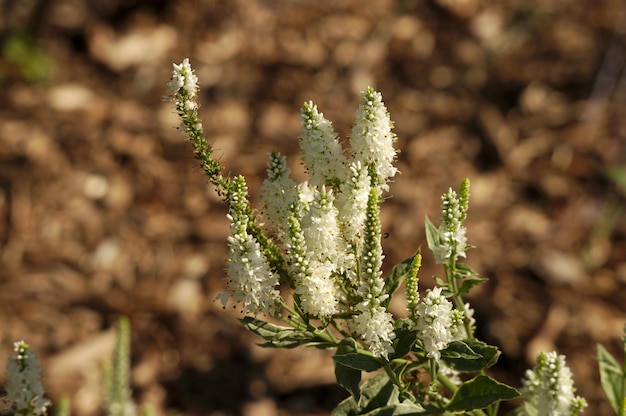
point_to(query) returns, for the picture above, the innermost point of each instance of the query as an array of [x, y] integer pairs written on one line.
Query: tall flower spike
[[278, 192], [313, 283], [549, 387], [183, 91], [411, 286], [321, 230], [252, 283], [24, 388], [372, 139], [322, 154], [452, 240], [374, 324], [352, 203]]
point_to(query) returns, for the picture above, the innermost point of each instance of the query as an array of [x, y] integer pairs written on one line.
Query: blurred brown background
[[104, 211]]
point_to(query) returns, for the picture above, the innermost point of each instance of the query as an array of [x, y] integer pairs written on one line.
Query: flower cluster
[[251, 283], [452, 240], [438, 323], [328, 227], [24, 388], [372, 139], [549, 387]]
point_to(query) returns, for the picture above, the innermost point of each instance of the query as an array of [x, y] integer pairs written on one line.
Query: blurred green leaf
[[613, 380]]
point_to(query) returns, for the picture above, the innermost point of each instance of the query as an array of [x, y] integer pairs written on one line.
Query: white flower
[[278, 192], [322, 154], [183, 78], [317, 291], [351, 203], [372, 139], [321, 230], [452, 240], [549, 387], [251, 282], [437, 324], [24, 388], [312, 277], [375, 327], [374, 324]]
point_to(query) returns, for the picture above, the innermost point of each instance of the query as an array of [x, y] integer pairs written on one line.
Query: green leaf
[[397, 276], [349, 356], [349, 379], [405, 409], [405, 338], [460, 350], [442, 283], [347, 407], [377, 392], [359, 361], [613, 380], [618, 175], [470, 355], [282, 337], [432, 234], [469, 283], [463, 271], [478, 393]]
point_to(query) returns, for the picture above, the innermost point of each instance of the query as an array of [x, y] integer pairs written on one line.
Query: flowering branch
[[328, 252]]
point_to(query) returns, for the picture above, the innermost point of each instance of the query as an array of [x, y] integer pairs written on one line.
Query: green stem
[[456, 298], [402, 388]]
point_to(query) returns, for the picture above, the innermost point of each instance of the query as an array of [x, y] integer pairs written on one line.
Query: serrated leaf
[[458, 356], [612, 377], [478, 393], [377, 392]]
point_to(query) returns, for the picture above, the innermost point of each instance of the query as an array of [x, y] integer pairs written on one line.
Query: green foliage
[[397, 275], [23, 57], [470, 356], [64, 406], [613, 378], [479, 393], [284, 337]]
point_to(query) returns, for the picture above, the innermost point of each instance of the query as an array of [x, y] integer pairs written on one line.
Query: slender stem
[[395, 379], [456, 298]]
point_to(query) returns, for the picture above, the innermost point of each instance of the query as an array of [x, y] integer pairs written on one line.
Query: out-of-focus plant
[[116, 375], [23, 58]]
